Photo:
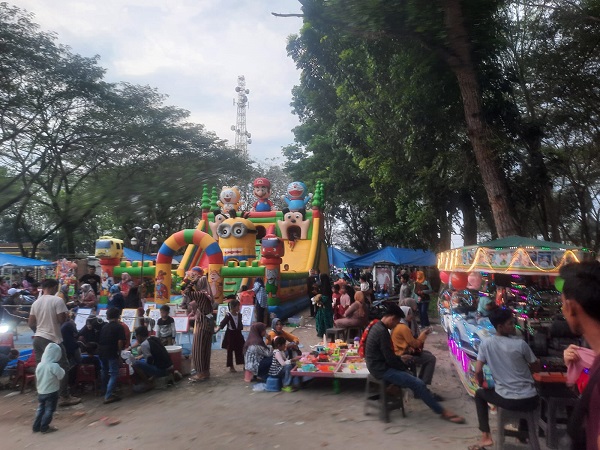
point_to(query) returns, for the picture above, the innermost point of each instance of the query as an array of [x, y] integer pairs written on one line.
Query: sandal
[[454, 418], [193, 380], [476, 447]]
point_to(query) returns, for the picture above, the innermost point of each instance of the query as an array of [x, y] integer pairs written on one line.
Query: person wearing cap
[[383, 364], [262, 192]]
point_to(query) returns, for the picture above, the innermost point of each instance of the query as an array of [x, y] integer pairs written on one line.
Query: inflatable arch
[[164, 258]]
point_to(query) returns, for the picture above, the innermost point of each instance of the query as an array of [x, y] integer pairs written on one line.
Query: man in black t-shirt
[[110, 344], [92, 279], [157, 362]]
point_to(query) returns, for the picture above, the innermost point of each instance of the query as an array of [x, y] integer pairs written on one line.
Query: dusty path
[[225, 413]]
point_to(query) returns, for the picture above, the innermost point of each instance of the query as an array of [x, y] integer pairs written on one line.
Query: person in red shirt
[[581, 308]]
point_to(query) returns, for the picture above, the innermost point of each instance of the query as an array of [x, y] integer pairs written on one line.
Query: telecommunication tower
[[242, 136]]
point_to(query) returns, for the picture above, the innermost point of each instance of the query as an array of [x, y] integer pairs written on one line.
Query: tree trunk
[[460, 62], [469, 217]]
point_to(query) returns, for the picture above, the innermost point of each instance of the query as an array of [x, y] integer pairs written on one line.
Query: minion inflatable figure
[[237, 239]]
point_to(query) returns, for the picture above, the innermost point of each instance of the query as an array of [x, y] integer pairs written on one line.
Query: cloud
[[193, 51]]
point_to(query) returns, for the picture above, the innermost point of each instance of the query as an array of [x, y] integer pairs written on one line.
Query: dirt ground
[[225, 413]]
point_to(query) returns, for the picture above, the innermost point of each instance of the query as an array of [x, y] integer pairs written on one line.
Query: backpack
[[160, 356]]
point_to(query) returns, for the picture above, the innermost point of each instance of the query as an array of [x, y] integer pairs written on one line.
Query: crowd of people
[[392, 344]]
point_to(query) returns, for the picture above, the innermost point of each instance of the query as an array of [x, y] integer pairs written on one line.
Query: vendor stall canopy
[[21, 261], [513, 254], [339, 258], [395, 256]]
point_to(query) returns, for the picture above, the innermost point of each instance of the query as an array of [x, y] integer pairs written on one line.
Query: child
[[281, 367], [336, 302], [233, 340], [165, 327], [48, 375]]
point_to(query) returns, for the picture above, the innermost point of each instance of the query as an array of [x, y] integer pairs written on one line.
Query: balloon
[[444, 277], [459, 280], [559, 283]]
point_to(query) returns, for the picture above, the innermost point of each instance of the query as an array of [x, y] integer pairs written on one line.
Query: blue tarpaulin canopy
[[396, 256], [132, 255], [21, 261], [338, 258]]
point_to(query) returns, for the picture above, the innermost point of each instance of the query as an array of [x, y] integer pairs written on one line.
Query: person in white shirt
[[47, 314]]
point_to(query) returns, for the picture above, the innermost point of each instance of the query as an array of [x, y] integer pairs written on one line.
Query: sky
[[192, 51]]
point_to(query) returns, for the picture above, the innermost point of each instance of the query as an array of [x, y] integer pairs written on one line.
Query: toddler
[[281, 367], [48, 375]]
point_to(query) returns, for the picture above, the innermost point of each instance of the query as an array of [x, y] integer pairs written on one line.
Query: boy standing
[[165, 327], [48, 375], [110, 343]]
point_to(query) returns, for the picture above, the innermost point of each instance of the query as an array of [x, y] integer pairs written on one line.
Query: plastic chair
[[86, 373], [7, 340], [331, 334], [23, 376], [505, 416], [124, 376]]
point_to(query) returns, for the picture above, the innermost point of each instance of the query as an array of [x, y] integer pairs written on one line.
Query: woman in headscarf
[[199, 292], [132, 299], [126, 284], [406, 346], [88, 297], [356, 315], [324, 305], [422, 292], [255, 348], [277, 330]]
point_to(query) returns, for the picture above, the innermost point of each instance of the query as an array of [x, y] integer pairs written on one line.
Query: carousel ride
[[517, 273]]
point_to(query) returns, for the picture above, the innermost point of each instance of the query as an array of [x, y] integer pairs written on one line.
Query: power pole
[[242, 136]]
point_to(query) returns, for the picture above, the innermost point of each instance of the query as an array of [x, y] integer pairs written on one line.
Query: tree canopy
[[428, 116]]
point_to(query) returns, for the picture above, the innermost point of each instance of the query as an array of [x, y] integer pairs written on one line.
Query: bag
[[263, 367], [160, 356]]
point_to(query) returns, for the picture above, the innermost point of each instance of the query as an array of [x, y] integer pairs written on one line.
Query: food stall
[[337, 360], [516, 272]]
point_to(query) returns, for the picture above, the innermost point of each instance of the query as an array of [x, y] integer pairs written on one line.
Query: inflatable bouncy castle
[[235, 247]]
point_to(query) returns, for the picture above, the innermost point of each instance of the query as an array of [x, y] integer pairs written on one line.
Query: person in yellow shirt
[[292, 341], [411, 349]]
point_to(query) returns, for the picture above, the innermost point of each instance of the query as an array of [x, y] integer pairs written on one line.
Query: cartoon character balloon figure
[[297, 196], [262, 192], [230, 198]]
